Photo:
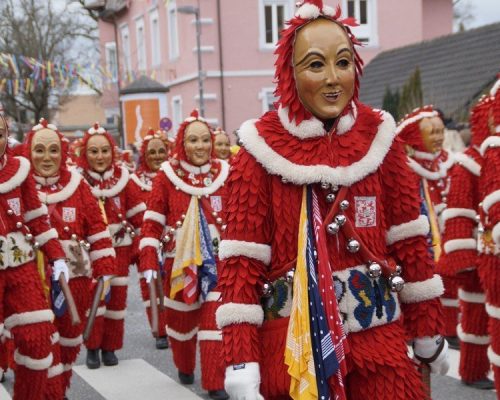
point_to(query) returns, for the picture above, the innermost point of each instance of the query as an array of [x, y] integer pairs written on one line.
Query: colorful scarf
[[428, 210]]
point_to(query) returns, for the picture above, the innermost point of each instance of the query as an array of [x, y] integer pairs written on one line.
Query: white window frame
[[288, 8], [177, 117], [173, 31], [155, 37], [370, 29], [125, 33], [140, 44], [264, 95], [111, 60]]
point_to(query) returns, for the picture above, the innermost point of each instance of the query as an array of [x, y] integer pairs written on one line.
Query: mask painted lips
[[332, 96]]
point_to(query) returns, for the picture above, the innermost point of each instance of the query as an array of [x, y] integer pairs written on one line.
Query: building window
[[273, 14], [126, 48], [365, 14], [141, 44], [267, 97], [155, 38], [173, 36], [176, 112], [111, 61]]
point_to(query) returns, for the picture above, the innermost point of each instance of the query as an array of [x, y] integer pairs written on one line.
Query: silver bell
[[29, 237], [397, 283], [333, 228], [478, 218], [219, 220], [183, 216], [399, 269], [87, 246], [66, 229], [36, 245], [129, 229], [480, 229], [10, 212], [374, 270], [178, 224], [82, 243], [340, 219], [325, 185], [166, 238], [344, 205], [73, 236], [172, 230], [289, 276], [335, 188], [284, 180], [330, 197], [353, 245], [267, 289], [124, 223], [132, 233], [19, 225]]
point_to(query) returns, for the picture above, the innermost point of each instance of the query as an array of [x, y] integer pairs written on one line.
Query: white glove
[[149, 274], [242, 382], [106, 278], [59, 268], [432, 351]]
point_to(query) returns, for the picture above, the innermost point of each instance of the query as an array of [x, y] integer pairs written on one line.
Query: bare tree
[[463, 13], [45, 31]]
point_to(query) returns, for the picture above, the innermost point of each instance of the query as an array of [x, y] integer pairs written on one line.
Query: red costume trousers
[[449, 300], [162, 314]]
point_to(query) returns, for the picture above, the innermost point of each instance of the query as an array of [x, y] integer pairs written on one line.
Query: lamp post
[[196, 11]]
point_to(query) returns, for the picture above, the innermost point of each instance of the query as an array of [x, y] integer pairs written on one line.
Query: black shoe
[[109, 358], [453, 342], [2, 376], [186, 379], [218, 394], [483, 384], [93, 361], [162, 342]]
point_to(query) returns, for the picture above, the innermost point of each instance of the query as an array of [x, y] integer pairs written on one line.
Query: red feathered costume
[[459, 260], [433, 169], [141, 184], [283, 152], [178, 187], [122, 213], [25, 315], [86, 241], [489, 237]]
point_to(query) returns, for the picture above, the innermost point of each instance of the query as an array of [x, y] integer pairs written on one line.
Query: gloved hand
[[59, 267], [432, 351], [242, 381], [149, 274], [106, 278]]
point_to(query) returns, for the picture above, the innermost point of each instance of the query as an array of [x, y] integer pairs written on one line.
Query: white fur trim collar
[[101, 177], [276, 164], [492, 141], [432, 175], [313, 127], [468, 163], [51, 180], [140, 183], [194, 169], [65, 193], [116, 189], [192, 190], [18, 178], [423, 155]]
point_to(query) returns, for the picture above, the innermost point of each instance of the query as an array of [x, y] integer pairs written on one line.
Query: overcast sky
[[484, 11]]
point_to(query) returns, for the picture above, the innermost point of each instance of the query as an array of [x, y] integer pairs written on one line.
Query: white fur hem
[[180, 306], [417, 227], [55, 338], [37, 212], [71, 342], [496, 234], [100, 312], [194, 169], [65, 193], [214, 296], [147, 241], [181, 337], [18, 178], [116, 189], [495, 88], [431, 175], [492, 141], [26, 318], [44, 237], [155, 216], [233, 248], [276, 164], [239, 313], [415, 118], [468, 163], [119, 281], [445, 302], [98, 236], [97, 254], [493, 311], [471, 338], [308, 11], [459, 244], [35, 364], [450, 213], [55, 370], [210, 335], [192, 190], [136, 210], [493, 357], [141, 184], [470, 297], [115, 314], [490, 200], [415, 292]]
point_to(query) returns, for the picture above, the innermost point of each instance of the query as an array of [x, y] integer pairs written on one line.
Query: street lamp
[[196, 11]]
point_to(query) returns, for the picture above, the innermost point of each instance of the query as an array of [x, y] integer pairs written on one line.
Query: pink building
[[237, 43]]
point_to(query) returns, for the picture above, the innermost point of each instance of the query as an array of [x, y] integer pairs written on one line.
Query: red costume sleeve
[[135, 212], [406, 238], [490, 182]]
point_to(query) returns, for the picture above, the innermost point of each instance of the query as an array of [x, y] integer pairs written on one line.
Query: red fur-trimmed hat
[[478, 120], [96, 129], [286, 89], [408, 128]]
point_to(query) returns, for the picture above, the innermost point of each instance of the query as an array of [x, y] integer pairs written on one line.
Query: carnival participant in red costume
[[222, 144], [459, 260], [153, 151], [186, 202], [25, 315], [110, 186], [423, 134], [321, 189], [75, 214], [489, 237]]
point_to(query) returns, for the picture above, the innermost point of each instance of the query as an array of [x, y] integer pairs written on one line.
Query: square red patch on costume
[[366, 211]]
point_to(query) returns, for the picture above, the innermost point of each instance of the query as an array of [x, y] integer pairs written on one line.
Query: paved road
[[145, 373]]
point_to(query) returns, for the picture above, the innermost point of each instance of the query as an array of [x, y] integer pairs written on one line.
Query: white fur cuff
[[493, 357], [234, 248], [446, 302], [468, 163], [136, 210], [37, 212], [458, 212], [148, 241], [155, 216], [239, 313], [180, 306], [34, 364], [181, 337], [471, 338], [116, 315], [417, 227], [210, 335], [414, 292], [26, 318], [490, 200], [44, 237], [97, 254], [493, 311], [55, 370], [470, 297], [119, 281], [98, 236], [71, 342], [491, 141], [214, 296], [459, 244]]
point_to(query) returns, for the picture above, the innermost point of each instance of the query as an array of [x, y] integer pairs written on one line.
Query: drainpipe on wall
[[221, 66]]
